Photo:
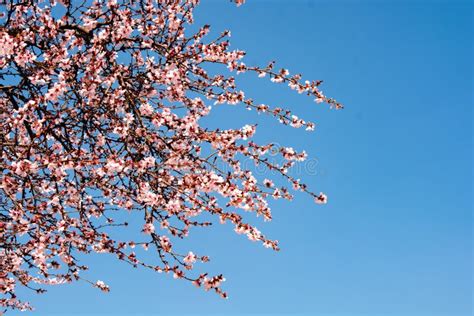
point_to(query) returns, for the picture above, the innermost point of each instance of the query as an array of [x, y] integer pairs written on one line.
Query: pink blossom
[[148, 228], [102, 286], [165, 243], [268, 183], [321, 198], [146, 109], [190, 258], [24, 167]]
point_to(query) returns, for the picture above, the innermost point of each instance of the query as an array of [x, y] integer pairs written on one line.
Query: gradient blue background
[[396, 236]]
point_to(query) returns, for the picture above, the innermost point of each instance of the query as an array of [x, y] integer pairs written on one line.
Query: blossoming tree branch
[[100, 108]]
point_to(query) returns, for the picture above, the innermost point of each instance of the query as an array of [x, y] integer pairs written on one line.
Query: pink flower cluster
[[101, 104]]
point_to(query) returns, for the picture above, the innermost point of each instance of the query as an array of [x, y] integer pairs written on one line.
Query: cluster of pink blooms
[[100, 103]]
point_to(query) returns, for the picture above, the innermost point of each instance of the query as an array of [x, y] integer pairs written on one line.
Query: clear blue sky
[[396, 236]]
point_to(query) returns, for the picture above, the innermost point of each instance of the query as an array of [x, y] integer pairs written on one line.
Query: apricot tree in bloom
[[100, 108]]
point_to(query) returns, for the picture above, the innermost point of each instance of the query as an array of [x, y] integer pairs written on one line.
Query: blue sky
[[396, 163]]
